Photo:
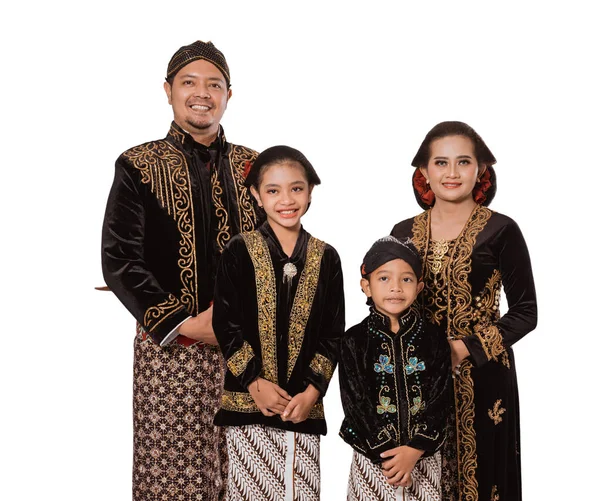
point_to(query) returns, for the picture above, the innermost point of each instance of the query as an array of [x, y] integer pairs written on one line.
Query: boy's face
[[393, 287]]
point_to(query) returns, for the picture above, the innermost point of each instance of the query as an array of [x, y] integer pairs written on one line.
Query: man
[[173, 206]]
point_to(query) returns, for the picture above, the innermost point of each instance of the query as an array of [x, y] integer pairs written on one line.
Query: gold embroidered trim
[[243, 402], [223, 228], [266, 297], [238, 157], [467, 445], [495, 496], [496, 413], [303, 300], [491, 341], [165, 169], [238, 362], [322, 365], [439, 249], [156, 314]]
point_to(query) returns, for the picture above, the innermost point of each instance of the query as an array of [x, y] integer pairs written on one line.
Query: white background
[[355, 87]]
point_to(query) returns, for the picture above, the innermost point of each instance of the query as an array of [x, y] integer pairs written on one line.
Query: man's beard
[[200, 124]]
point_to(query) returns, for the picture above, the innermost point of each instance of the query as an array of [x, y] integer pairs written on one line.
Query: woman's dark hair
[[445, 129], [277, 155]]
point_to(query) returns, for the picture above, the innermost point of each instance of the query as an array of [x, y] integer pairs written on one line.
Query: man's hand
[[199, 328], [400, 466], [270, 398], [299, 407]]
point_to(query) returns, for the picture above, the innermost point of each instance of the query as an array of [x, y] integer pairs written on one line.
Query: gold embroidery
[[237, 161], [496, 413], [467, 445], [165, 169], [491, 341], [176, 134], [266, 297], [322, 365], [156, 314], [420, 233], [439, 249], [495, 496], [303, 300], [224, 233], [243, 402], [238, 362]]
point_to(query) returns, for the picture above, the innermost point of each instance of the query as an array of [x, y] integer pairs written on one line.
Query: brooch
[[289, 272]]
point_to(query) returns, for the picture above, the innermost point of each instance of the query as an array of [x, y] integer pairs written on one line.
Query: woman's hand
[[298, 408], [270, 398], [459, 352]]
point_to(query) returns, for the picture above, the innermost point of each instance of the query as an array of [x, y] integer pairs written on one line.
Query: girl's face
[[452, 170], [284, 193]]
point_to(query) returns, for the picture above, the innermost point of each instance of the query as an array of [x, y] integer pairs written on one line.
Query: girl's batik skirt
[[268, 464]]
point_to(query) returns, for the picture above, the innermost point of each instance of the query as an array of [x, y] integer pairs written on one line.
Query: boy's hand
[[270, 398], [399, 467], [298, 408]]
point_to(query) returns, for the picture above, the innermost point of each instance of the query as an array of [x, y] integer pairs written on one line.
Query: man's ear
[[256, 195], [167, 88]]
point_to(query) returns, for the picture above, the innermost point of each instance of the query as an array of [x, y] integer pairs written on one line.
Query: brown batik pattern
[[257, 464], [179, 455]]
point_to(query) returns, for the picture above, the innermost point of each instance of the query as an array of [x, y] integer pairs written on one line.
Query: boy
[[394, 382]]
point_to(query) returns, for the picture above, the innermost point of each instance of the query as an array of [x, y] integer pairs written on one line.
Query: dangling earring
[[427, 181]]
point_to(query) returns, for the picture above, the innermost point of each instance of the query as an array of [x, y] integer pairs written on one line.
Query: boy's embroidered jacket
[[395, 388], [285, 330], [173, 206]]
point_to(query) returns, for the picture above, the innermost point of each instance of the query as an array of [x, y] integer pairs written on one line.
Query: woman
[[469, 253]]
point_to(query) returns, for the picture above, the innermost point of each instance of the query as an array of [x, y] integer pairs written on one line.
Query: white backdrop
[[355, 87]]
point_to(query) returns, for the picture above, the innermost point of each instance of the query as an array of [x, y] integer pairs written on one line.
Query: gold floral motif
[[243, 402], [165, 169], [238, 157], [238, 362], [156, 314], [439, 251], [223, 228], [420, 233], [491, 341], [303, 300], [496, 413], [495, 496], [266, 297], [322, 365]]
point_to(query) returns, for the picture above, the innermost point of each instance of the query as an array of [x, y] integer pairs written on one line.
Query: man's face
[[199, 97]]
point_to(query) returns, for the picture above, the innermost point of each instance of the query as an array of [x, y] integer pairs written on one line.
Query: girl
[[278, 316], [469, 253]]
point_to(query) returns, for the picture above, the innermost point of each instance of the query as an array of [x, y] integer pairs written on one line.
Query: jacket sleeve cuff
[[486, 345], [320, 373], [244, 365]]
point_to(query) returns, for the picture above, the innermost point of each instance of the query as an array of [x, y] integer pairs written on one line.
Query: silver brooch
[[289, 272]]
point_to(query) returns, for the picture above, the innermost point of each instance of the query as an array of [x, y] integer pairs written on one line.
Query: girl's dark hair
[[277, 155], [445, 129]]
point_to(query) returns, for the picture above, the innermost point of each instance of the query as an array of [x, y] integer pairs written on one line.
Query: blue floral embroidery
[[414, 365], [384, 365], [385, 406]]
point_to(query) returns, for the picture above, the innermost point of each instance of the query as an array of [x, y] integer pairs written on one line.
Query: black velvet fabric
[[235, 321], [417, 367], [163, 231], [487, 403]]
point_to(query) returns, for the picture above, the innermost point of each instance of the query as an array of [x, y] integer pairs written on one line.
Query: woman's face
[[452, 169], [284, 193]]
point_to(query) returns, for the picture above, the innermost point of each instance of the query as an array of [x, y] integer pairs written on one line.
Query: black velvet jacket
[[285, 331], [395, 388], [173, 206]]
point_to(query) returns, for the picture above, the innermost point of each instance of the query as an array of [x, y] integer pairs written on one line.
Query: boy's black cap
[[389, 248]]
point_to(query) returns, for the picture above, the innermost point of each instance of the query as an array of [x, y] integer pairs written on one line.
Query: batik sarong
[[368, 483], [179, 455], [268, 464]]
